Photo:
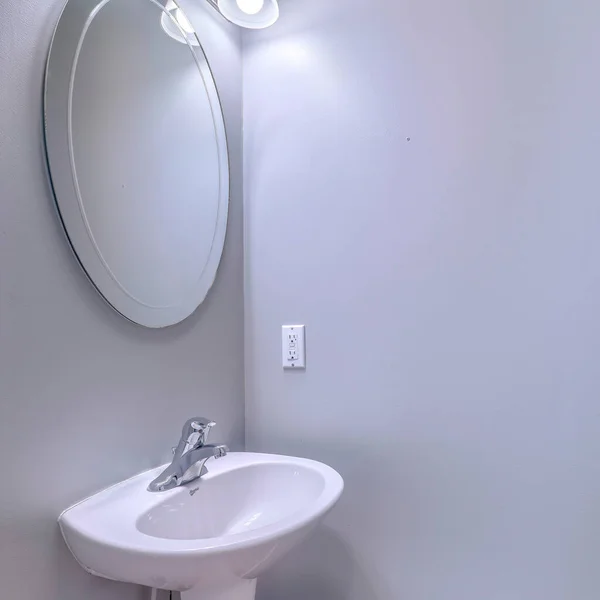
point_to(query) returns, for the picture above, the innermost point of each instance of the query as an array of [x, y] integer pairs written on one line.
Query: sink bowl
[[209, 539]]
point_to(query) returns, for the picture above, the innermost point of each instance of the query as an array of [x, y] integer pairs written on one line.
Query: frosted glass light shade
[[265, 17], [177, 26], [251, 7], [183, 21]]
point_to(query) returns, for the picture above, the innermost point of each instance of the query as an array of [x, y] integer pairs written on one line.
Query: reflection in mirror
[[177, 25], [137, 153]]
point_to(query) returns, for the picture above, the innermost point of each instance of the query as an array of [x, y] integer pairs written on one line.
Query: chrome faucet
[[189, 456]]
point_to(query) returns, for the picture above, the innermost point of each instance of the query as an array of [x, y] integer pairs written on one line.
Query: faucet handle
[[195, 431], [202, 427], [194, 435]]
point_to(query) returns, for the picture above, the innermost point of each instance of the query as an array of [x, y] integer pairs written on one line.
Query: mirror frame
[[77, 15]]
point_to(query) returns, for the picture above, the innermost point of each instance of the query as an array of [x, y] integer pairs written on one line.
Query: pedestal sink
[[209, 539]]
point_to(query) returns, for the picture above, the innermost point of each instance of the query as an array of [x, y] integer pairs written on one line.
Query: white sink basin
[[209, 539]]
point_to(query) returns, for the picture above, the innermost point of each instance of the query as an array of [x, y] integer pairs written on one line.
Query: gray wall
[[86, 398], [450, 286]]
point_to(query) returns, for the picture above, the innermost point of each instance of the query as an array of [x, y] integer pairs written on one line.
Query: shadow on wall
[[321, 568]]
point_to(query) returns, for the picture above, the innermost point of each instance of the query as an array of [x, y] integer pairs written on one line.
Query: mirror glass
[[137, 152]]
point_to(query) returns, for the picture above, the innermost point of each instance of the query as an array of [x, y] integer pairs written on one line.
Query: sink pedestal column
[[241, 589]]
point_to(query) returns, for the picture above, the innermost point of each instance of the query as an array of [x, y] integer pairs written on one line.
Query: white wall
[[450, 287], [87, 398]]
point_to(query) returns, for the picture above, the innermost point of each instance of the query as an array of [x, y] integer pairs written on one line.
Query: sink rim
[[129, 500]]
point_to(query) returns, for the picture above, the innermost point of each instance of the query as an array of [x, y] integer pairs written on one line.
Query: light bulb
[[183, 21], [250, 7], [251, 14]]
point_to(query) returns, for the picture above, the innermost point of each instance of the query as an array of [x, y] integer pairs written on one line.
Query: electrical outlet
[[292, 347]]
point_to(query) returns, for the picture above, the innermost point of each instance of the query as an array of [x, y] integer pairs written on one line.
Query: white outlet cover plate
[[293, 350]]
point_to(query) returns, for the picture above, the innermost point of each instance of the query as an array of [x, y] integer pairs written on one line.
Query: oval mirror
[[137, 152]]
